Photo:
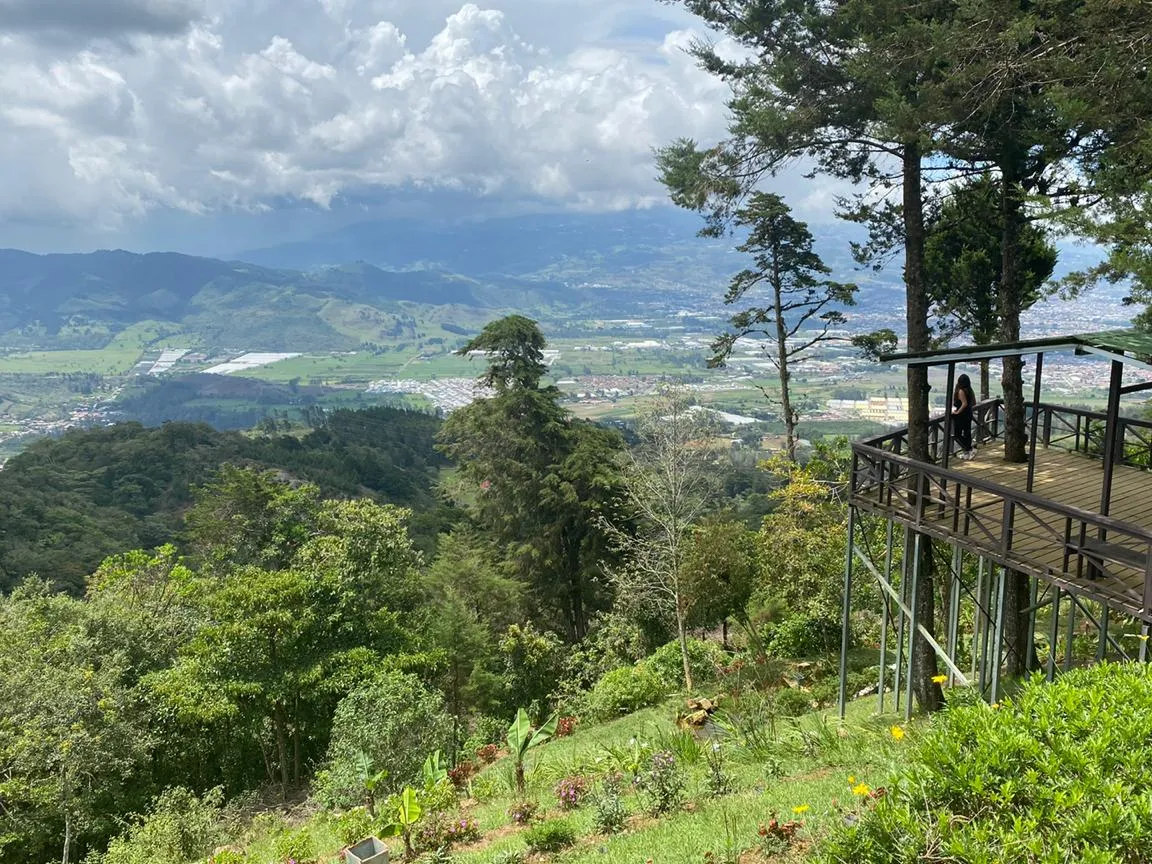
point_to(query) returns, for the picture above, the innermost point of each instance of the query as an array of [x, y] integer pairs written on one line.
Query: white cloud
[[311, 99]]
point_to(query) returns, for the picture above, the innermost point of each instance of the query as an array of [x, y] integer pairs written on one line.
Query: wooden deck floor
[[1038, 536], [1068, 478]]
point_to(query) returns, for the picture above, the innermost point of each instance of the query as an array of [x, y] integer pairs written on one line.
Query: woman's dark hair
[[965, 383]]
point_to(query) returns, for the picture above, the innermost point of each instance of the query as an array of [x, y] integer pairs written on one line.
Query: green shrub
[[1059, 773], [508, 856], [805, 635], [228, 856], [353, 825], [388, 724], [792, 702], [662, 784], [623, 691], [296, 846], [705, 658], [485, 731], [180, 827], [611, 815], [551, 836]]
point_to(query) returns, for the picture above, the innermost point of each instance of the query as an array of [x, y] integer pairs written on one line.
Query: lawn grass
[[808, 774]]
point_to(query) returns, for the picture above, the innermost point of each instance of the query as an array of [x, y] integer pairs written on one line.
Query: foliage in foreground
[[1063, 772]]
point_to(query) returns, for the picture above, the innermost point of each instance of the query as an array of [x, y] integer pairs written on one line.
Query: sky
[[200, 125]]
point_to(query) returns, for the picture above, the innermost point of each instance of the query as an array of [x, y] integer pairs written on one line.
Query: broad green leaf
[[520, 733], [543, 733]]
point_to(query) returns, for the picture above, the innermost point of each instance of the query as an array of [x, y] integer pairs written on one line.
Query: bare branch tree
[[668, 481]]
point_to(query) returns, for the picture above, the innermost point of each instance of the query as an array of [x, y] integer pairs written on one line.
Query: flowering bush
[[611, 815], [571, 791], [565, 726], [487, 754], [661, 783], [522, 812], [462, 773], [443, 831]]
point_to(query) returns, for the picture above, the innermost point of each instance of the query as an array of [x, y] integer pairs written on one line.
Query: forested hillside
[[67, 503]]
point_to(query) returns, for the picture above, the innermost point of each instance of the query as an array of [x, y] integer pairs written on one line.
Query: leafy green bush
[[611, 815], [353, 825], [551, 836], [705, 658], [792, 702], [296, 846], [623, 691], [662, 784], [180, 827], [805, 635], [1062, 772], [508, 856], [386, 725]]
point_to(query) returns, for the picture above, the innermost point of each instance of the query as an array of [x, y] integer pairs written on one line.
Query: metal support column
[[954, 607], [846, 623], [995, 653], [1031, 658], [884, 619], [1070, 633], [900, 624], [1102, 648], [1035, 422], [948, 396], [1054, 634], [977, 622], [912, 625], [1111, 434]]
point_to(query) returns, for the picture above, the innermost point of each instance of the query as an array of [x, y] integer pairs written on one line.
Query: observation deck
[[1075, 515]]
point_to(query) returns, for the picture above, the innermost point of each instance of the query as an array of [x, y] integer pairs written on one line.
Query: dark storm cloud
[[93, 19]]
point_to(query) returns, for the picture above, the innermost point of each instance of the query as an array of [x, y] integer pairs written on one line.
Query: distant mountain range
[[359, 284]]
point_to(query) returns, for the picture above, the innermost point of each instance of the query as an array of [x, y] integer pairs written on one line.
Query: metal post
[[1035, 421], [1102, 648], [954, 608], [1003, 585], [1111, 429], [1070, 633], [1053, 634], [1034, 585], [1145, 632], [977, 618], [948, 396], [900, 624], [884, 620], [986, 631], [912, 625], [846, 623]]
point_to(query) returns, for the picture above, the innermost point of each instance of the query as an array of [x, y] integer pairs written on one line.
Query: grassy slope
[[816, 755]]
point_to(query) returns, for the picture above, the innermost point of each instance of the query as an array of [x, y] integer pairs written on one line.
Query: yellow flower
[[995, 705], [897, 732], [939, 679], [1143, 637], [851, 780], [861, 789], [803, 808]]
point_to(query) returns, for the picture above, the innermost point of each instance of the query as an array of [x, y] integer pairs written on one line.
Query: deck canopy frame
[[1131, 348]]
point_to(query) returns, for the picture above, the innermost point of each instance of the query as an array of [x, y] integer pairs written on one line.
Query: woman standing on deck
[[963, 401]]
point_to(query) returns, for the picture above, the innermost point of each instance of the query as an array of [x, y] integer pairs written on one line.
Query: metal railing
[[1079, 551]]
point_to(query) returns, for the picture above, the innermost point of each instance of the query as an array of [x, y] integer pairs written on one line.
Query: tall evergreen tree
[[801, 302], [849, 86], [963, 265], [538, 479]]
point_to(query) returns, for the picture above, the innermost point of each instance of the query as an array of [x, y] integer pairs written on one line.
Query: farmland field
[[104, 361]]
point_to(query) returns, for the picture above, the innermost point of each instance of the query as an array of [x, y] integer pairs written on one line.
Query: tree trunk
[[682, 634], [296, 760], [281, 748], [985, 381], [782, 357], [1011, 301], [1017, 639], [67, 817], [923, 657]]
